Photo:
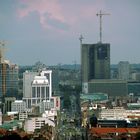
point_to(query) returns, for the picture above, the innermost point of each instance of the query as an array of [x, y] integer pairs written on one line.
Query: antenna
[[81, 39], [100, 14]]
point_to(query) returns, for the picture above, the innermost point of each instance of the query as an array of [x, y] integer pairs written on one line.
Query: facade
[[18, 106], [124, 70], [109, 86], [95, 63], [8, 79]]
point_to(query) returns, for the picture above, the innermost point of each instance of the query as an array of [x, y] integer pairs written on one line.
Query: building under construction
[[8, 78]]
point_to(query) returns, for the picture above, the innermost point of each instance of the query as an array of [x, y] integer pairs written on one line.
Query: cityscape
[[87, 97]]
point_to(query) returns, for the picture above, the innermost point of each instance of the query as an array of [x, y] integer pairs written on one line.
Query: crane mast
[[100, 14]]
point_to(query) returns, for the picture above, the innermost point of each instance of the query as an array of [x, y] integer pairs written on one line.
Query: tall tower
[[8, 78], [95, 60]]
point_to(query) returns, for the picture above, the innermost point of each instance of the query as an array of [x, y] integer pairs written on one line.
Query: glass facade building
[[8, 79]]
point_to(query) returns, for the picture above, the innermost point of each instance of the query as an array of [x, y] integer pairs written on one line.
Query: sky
[[49, 30]]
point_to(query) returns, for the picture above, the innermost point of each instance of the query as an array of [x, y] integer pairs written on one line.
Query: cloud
[[52, 7], [65, 13]]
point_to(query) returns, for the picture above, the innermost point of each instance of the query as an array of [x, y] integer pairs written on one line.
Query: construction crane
[[100, 14]]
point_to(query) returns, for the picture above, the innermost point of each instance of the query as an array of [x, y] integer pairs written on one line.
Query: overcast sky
[[49, 30]]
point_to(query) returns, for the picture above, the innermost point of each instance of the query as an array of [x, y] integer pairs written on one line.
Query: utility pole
[[100, 14]]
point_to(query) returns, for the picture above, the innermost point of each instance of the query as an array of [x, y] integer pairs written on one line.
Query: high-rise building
[[38, 89], [28, 77], [8, 79], [95, 62], [124, 70]]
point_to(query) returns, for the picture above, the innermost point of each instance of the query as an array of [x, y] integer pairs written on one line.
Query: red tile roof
[[104, 130]]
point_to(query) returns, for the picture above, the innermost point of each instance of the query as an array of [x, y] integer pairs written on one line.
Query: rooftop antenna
[[81, 39], [100, 14]]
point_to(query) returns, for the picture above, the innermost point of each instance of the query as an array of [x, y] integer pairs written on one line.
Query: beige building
[[118, 113]]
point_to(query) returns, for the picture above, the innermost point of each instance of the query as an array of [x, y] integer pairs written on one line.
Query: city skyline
[[49, 31]]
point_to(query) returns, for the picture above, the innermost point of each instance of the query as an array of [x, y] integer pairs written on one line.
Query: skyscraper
[[37, 87], [8, 79], [95, 61]]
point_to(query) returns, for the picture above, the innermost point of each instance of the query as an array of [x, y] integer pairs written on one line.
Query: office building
[[39, 89], [124, 70], [95, 63], [8, 79]]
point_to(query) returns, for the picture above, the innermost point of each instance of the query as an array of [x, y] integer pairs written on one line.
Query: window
[[33, 92], [47, 92], [38, 91], [42, 92]]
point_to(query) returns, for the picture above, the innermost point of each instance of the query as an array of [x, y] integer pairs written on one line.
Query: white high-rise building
[[124, 70], [40, 89]]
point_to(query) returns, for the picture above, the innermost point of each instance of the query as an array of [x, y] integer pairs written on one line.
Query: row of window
[[40, 92]]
